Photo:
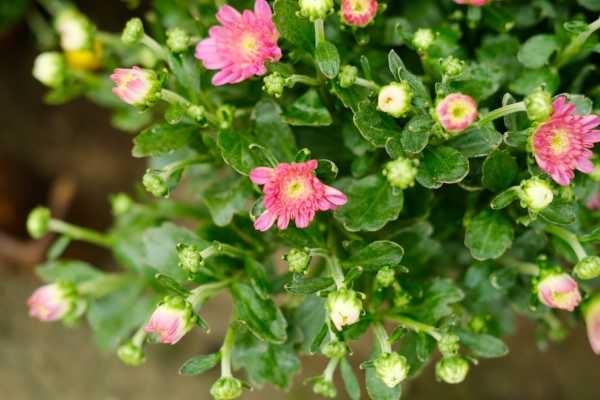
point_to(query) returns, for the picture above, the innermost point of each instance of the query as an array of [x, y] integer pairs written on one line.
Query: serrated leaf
[[226, 198], [488, 235], [537, 50], [441, 165], [560, 212], [328, 59], [272, 131], [476, 141], [295, 29], [416, 132], [308, 285], [483, 345], [73, 271], [376, 255]]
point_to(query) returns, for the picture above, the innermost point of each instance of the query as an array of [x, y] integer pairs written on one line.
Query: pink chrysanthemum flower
[[358, 12], [50, 302], [559, 290], [476, 3], [136, 86], [293, 192], [592, 321], [456, 112], [171, 320], [242, 45], [563, 143]]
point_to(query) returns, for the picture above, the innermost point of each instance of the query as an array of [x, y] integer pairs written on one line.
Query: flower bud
[[452, 369], [539, 105], [452, 66], [136, 86], [401, 172], [391, 368], [385, 276], [449, 344], [198, 114], [133, 31], [348, 75], [225, 114], [344, 307], [120, 203], [172, 319], [53, 302], [226, 388], [588, 268], [49, 68], [401, 297], [154, 183], [325, 388], [456, 112], [190, 257], [131, 354], [315, 9], [297, 260], [394, 99], [423, 38], [334, 349], [535, 194], [358, 13], [38, 221], [75, 30], [274, 84], [591, 314], [558, 290], [178, 40], [479, 323]]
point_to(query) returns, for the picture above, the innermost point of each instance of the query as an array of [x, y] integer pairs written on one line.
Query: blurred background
[[71, 158]]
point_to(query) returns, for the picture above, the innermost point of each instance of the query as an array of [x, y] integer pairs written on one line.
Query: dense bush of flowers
[[420, 172]]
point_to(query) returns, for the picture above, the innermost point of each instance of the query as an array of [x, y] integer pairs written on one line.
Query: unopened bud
[[49, 68], [315, 9], [395, 99], [75, 30], [535, 194], [38, 221], [325, 388], [452, 369], [449, 344], [131, 354], [385, 276], [391, 368], [172, 319], [557, 289], [334, 349], [56, 301], [198, 114], [154, 183], [423, 38], [190, 257], [297, 260], [401, 172], [591, 313], [120, 203], [401, 297], [226, 388], [348, 75], [539, 105], [133, 31], [136, 86], [178, 40], [456, 112], [344, 307], [588, 268], [274, 84], [452, 66]]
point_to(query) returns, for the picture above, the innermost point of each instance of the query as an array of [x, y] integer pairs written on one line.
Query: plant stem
[[382, 338], [177, 165], [297, 78], [575, 46], [104, 285], [155, 47], [502, 111], [139, 337], [202, 293], [319, 31], [226, 350], [171, 97], [330, 369], [367, 84], [416, 326], [336, 271], [79, 233], [570, 238]]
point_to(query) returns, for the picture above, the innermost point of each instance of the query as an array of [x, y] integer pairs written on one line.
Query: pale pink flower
[[358, 12], [50, 302], [592, 321], [456, 112], [242, 44], [562, 144], [594, 203], [559, 290], [293, 192], [136, 86], [476, 3], [171, 320]]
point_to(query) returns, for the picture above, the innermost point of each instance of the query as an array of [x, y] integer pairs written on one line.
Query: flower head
[[391, 368], [558, 290], [423, 38], [358, 13], [476, 3], [344, 307], [456, 112], [171, 320], [293, 192], [75, 30], [315, 9], [49, 68], [395, 99], [52, 302], [562, 143], [136, 86], [592, 321], [242, 44]]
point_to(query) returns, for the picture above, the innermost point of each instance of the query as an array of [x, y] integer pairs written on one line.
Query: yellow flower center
[[296, 189], [358, 6], [459, 110], [560, 141], [248, 44]]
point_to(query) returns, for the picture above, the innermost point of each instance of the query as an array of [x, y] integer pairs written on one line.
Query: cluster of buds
[[190, 257], [401, 172], [297, 260], [344, 307], [395, 99], [539, 105], [131, 354], [401, 296], [452, 369], [535, 194], [56, 301], [334, 349], [154, 183], [274, 84], [348, 75], [385, 277], [178, 40], [557, 289], [120, 203], [172, 319], [133, 31], [449, 344], [452, 66], [324, 387], [391, 368]]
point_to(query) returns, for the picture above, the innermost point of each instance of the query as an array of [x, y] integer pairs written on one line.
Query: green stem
[[109, 39], [502, 111], [79, 233], [139, 337], [382, 338], [319, 31], [171, 97], [104, 285], [330, 369], [155, 47], [570, 238], [367, 84], [178, 165], [224, 249], [416, 326], [575, 46], [297, 78], [226, 350], [523, 267], [336, 271], [202, 293]]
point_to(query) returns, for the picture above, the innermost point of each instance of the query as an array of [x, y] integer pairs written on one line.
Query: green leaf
[[373, 125], [488, 235], [261, 316], [163, 138], [372, 203], [438, 297], [226, 198], [200, 364], [441, 165], [236, 151], [73, 271], [308, 110], [416, 132], [328, 59], [304, 285], [480, 81], [483, 345], [350, 381], [293, 28], [560, 212], [401, 73], [593, 5], [499, 170], [505, 198], [593, 237], [476, 141], [376, 255], [272, 131], [537, 50], [530, 79], [308, 321]]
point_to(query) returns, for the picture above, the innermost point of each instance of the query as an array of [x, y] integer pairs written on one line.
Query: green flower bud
[[401, 297], [190, 257], [49, 68], [535, 194], [348, 75], [133, 31], [198, 114], [225, 115], [449, 344], [479, 324], [325, 388], [401, 172], [344, 307], [539, 105], [38, 221], [334, 349], [423, 38], [154, 183], [226, 388], [385, 276], [452, 66], [588, 268], [394, 99], [315, 9], [131, 354], [120, 203], [391, 368], [274, 84], [452, 369], [297, 260], [178, 40]]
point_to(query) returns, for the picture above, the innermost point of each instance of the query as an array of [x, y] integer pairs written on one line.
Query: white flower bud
[[344, 307], [391, 368], [75, 30], [49, 68], [394, 99], [423, 38], [535, 194]]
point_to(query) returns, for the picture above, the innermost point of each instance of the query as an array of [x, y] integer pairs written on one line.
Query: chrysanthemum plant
[[420, 173]]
